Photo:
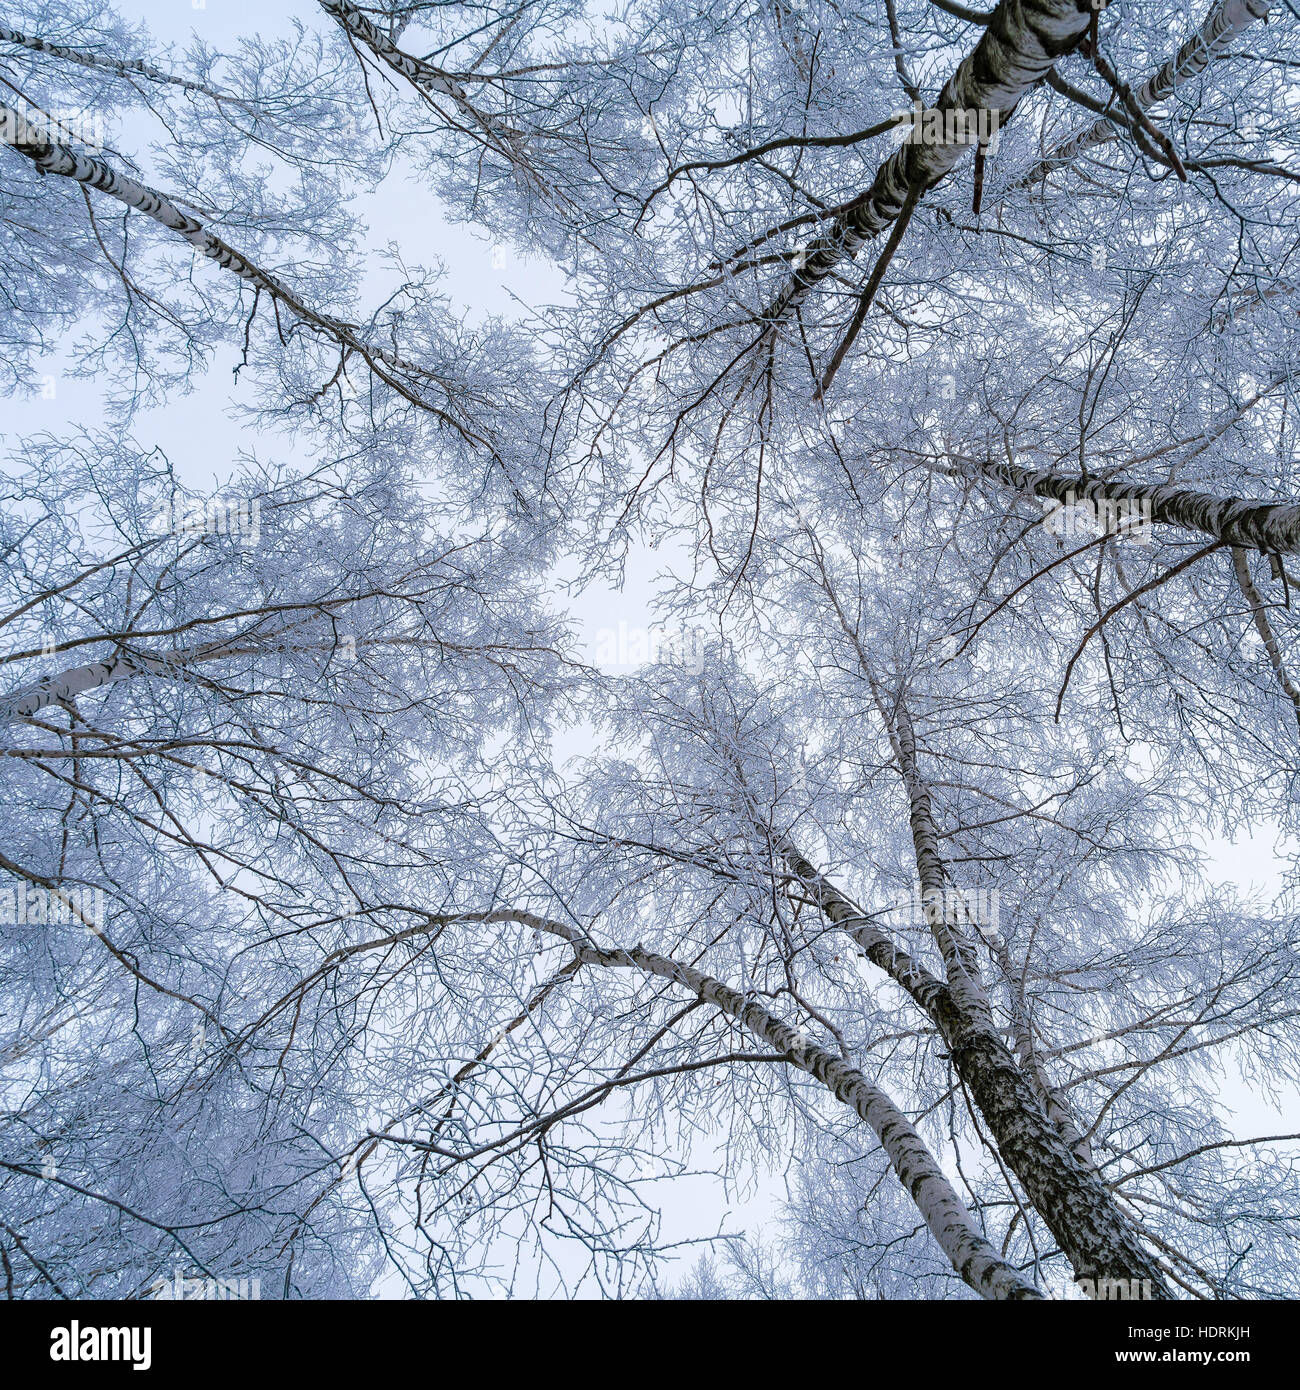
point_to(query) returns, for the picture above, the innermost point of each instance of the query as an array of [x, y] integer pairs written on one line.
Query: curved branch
[[971, 1255]]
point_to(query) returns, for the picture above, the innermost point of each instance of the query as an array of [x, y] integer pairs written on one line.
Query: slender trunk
[[177, 665], [1271, 527], [53, 158], [427, 78], [172, 665], [1258, 610], [958, 953], [124, 67], [67, 685], [1226, 19], [1058, 1108], [972, 1256]]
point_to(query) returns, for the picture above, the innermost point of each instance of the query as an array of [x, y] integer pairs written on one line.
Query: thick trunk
[[1067, 1192], [1022, 42], [1063, 1186]]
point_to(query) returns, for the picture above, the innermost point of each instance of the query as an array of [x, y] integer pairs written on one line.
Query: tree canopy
[[928, 371]]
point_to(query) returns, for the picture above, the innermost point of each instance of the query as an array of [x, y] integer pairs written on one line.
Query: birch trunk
[[958, 953], [1225, 21], [1023, 41], [67, 685], [426, 77], [1058, 1109], [1270, 527], [1064, 1188], [123, 67], [53, 158], [173, 665], [971, 1255], [1259, 614]]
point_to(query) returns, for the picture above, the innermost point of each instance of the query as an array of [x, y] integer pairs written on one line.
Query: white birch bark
[[93, 172], [1058, 1109], [1023, 41], [1271, 527], [1259, 614], [173, 665], [426, 77], [122, 67], [1225, 21], [971, 1255], [67, 685], [1051, 1160], [958, 953]]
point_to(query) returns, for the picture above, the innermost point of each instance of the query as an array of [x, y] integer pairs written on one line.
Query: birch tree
[[365, 936]]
